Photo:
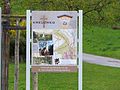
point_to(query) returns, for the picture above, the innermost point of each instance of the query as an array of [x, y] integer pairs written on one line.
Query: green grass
[[101, 41], [47, 81], [22, 77], [95, 77]]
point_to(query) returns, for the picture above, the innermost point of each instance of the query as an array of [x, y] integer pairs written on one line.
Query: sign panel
[[54, 69], [54, 19], [54, 39]]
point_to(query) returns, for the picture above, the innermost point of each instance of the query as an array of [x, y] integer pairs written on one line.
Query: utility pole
[[5, 47]]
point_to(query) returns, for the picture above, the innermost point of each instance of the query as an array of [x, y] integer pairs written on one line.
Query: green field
[[95, 77], [47, 81], [101, 41]]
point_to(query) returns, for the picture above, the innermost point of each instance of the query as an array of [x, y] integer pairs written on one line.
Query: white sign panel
[[54, 19], [54, 38]]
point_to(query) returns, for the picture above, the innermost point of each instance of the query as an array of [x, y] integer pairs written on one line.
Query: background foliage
[[100, 13], [95, 11]]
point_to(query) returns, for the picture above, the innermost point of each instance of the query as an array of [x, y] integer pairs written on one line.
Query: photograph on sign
[[42, 60], [54, 43], [45, 43], [42, 48]]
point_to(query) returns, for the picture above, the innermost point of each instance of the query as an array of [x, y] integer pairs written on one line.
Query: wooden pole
[[16, 75], [35, 80], [5, 49], [5, 61]]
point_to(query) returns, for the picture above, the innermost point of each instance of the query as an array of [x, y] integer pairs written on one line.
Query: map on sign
[[65, 46], [54, 39]]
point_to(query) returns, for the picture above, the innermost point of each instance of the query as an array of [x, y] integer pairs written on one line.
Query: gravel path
[[101, 60]]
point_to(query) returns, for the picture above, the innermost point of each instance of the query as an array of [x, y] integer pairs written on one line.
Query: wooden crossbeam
[[14, 28], [13, 16], [9, 27]]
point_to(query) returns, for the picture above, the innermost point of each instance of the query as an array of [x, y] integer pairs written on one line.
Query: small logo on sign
[[65, 19], [44, 21]]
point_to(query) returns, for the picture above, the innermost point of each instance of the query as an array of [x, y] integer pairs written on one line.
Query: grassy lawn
[[22, 77], [47, 81], [95, 77], [101, 41]]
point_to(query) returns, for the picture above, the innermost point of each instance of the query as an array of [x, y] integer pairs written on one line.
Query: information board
[[54, 41]]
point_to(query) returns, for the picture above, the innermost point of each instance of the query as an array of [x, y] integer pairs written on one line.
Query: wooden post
[[35, 80], [5, 61], [5, 49], [16, 75]]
